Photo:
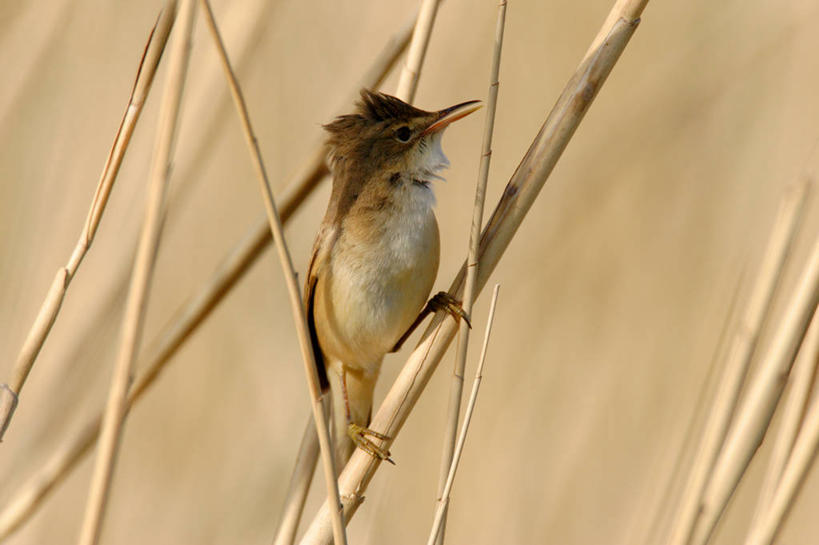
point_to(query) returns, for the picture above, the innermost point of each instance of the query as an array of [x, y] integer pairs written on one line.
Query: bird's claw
[[359, 436], [444, 301]]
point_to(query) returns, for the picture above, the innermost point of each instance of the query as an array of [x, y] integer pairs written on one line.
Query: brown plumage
[[376, 254]]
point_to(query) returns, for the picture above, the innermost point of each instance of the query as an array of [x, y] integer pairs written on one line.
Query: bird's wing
[[321, 248], [346, 189]]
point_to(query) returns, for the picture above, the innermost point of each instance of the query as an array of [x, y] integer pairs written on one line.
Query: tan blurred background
[[613, 294]]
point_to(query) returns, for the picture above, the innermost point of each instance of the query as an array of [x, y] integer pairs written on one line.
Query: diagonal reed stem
[[51, 305], [136, 303], [296, 306], [520, 193], [457, 385]]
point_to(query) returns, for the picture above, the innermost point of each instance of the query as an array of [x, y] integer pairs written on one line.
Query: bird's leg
[[440, 301], [359, 434]]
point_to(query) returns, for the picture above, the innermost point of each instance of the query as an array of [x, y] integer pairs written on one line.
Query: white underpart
[[383, 284], [431, 159]]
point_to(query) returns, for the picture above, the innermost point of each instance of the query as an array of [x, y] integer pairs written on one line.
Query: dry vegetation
[[617, 285]]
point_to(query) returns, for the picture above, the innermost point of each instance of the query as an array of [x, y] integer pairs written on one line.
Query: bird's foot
[[440, 301], [359, 435], [444, 301]]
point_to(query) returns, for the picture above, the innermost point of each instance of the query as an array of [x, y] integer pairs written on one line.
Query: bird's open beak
[[453, 113]]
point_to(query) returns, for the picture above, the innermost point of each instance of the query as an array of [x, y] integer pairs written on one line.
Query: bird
[[376, 254]]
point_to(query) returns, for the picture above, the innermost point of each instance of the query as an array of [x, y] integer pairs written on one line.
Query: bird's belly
[[373, 291]]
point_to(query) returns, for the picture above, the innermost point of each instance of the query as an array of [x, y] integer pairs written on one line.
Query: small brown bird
[[376, 254]]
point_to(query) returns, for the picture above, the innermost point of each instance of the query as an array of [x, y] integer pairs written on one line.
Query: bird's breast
[[377, 279]]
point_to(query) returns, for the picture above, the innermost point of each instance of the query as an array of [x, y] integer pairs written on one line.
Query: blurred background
[[613, 293]]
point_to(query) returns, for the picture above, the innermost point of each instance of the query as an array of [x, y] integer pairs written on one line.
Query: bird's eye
[[403, 133]]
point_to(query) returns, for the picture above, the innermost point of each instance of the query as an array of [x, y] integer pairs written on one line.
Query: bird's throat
[[428, 160]]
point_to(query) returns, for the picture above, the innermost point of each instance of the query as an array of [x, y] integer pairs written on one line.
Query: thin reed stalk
[[47, 315], [800, 381], [189, 316], [456, 387], [668, 495], [296, 306], [758, 405], [736, 365], [783, 483], [136, 303], [520, 193], [299, 486], [408, 82], [440, 510]]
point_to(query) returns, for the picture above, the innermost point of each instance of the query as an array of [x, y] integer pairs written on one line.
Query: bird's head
[[385, 134]]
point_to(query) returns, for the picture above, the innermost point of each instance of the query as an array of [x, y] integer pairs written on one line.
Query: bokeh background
[[613, 294]]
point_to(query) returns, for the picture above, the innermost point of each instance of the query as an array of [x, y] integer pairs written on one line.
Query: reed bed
[[555, 459]]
